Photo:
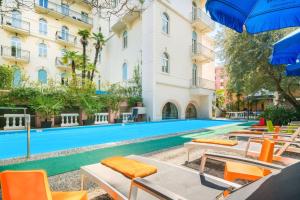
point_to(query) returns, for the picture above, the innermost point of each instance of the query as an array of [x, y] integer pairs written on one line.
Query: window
[[84, 17], [194, 75], [63, 52], [16, 19], [165, 63], [17, 78], [42, 76], [114, 3], [194, 42], [42, 50], [194, 11], [65, 9], [16, 47], [43, 27], [165, 23], [43, 3], [64, 78], [100, 56], [124, 72], [65, 33], [125, 39]]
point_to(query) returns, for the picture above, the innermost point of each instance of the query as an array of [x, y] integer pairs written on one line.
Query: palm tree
[[71, 58], [99, 43], [85, 34]]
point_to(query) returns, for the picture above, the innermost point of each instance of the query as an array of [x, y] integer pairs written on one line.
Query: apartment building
[[35, 38], [170, 40]]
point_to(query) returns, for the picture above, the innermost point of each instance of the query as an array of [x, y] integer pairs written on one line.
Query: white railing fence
[[69, 119], [127, 117], [15, 121], [101, 118]]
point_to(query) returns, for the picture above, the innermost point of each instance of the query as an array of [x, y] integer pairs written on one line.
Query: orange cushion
[[80, 195], [128, 167], [217, 141], [235, 170], [248, 132]]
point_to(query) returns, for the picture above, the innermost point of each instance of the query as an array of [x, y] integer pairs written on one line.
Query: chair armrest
[[152, 189], [244, 160]]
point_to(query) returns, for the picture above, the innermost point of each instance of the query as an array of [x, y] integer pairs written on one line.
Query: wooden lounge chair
[[171, 182], [32, 185]]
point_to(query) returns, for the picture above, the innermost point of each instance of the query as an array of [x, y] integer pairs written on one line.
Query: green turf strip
[[63, 164]]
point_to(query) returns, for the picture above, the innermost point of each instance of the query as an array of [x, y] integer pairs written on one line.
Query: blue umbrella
[[257, 15], [293, 70], [286, 50]]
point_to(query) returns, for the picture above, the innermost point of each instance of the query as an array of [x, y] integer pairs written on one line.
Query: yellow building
[[35, 39]]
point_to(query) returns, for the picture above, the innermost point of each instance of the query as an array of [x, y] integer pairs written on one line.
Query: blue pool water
[[13, 144]]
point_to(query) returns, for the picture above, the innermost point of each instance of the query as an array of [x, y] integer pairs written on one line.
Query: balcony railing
[[15, 53], [66, 38], [59, 62], [202, 52], [199, 82], [64, 11], [16, 24], [201, 19]]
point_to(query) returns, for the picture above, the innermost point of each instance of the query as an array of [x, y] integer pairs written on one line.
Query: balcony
[[202, 54], [15, 25], [15, 54], [66, 39], [202, 83], [60, 64], [202, 22], [126, 18], [63, 12]]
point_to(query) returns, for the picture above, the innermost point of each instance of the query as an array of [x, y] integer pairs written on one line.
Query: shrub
[[279, 115]]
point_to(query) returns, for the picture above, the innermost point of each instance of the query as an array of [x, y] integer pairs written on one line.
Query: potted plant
[[89, 104], [47, 106]]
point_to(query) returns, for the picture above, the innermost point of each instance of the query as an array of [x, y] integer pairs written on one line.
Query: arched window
[[194, 75], [194, 11], [165, 23], [16, 47], [65, 33], [165, 63], [125, 39], [43, 29], [169, 111], [17, 78], [191, 112], [194, 42], [42, 50], [125, 72], [42, 76], [16, 19]]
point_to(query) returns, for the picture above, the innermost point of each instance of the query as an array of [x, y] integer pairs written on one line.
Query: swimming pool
[[13, 144]]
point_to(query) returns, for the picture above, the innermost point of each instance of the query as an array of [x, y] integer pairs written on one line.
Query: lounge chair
[[32, 185], [276, 130], [251, 148], [170, 182]]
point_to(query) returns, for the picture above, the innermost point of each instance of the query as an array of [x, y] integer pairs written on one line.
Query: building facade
[[169, 39], [35, 39]]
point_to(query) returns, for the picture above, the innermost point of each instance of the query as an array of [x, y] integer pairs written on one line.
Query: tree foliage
[[6, 77], [247, 64]]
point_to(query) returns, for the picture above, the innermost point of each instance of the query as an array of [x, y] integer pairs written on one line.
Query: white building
[[170, 40]]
